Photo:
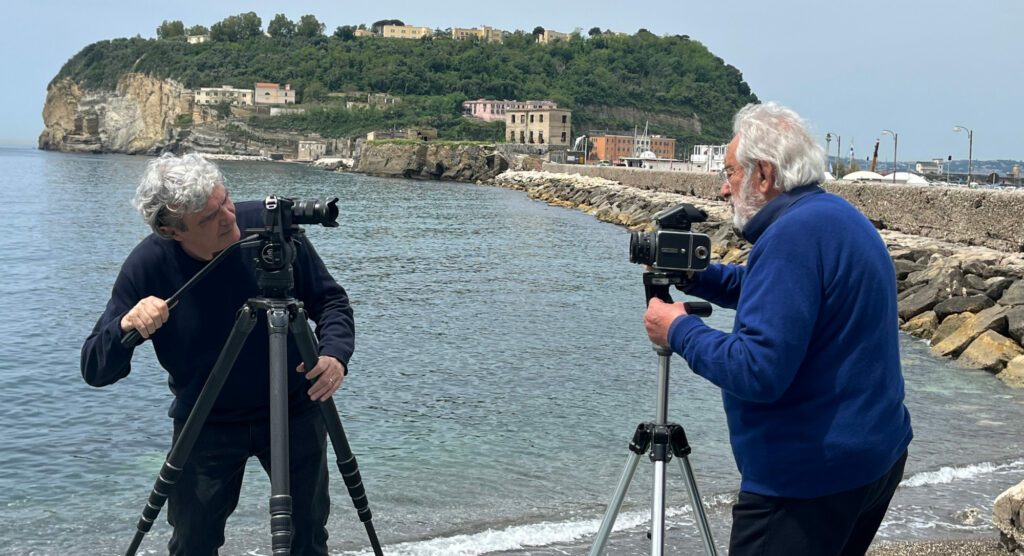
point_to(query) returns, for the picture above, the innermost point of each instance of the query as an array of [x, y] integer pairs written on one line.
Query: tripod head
[[657, 284]]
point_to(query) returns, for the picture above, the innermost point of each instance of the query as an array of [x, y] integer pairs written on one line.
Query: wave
[[945, 475], [534, 535]]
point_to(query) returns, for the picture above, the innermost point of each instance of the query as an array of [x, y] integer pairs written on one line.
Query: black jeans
[[207, 492], [838, 524]]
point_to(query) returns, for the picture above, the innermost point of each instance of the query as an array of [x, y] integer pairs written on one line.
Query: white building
[[224, 93]]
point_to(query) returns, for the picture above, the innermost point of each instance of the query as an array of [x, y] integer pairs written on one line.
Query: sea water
[[501, 368]]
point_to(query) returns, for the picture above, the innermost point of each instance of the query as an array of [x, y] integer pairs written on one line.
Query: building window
[[512, 137], [522, 136], [565, 119], [540, 137], [542, 119], [563, 134], [531, 118], [531, 136]]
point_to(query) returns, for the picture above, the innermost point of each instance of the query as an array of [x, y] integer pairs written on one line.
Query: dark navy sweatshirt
[[810, 375], [188, 344]]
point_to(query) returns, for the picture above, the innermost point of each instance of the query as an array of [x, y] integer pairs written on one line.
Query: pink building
[[494, 110]]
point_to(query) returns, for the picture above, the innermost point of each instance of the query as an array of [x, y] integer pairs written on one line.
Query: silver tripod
[[663, 440]]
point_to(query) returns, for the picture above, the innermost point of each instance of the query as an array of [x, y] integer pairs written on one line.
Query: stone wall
[[987, 217]]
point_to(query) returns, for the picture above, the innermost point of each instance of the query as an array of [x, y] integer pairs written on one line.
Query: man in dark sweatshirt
[[193, 218], [810, 374]]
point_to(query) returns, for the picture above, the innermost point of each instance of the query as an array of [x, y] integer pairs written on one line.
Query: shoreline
[[943, 547]]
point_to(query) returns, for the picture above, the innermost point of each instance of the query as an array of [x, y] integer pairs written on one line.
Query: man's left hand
[[659, 318], [328, 375]]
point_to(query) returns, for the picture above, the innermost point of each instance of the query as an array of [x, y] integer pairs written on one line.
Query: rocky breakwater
[[138, 116], [968, 301], [431, 160]]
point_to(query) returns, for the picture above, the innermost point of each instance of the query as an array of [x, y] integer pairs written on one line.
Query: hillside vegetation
[[611, 82]]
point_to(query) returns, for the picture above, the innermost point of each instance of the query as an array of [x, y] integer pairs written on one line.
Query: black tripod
[[661, 440], [284, 315]]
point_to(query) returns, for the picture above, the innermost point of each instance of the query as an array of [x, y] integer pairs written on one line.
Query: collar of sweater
[[775, 208]]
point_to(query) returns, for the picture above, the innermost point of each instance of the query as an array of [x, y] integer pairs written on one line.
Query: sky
[[915, 67]]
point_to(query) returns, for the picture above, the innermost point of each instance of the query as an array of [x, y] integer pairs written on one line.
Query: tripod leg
[[280, 497], [658, 510], [601, 540], [179, 453], [346, 461], [698, 507]]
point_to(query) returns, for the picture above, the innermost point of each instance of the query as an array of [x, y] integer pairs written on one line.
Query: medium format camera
[[672, 246]]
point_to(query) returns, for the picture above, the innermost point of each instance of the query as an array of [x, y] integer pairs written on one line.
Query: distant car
[[604, 163]]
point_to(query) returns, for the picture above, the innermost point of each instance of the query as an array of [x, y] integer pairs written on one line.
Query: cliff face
[[137, 117], [431, 161]]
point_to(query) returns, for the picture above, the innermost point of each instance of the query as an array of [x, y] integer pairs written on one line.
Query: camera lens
[[314, 211], [641, 250]]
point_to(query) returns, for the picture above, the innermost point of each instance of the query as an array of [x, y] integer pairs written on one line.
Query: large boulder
[[993, 318], [1014, 295], [923, 325], [920, 301], [948, 326], [1015, 323], [996, 285], [1013, 374], [968, 304], [990, 351], [1008, 517]]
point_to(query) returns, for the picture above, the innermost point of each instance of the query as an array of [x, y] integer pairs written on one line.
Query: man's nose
[[725, 191]]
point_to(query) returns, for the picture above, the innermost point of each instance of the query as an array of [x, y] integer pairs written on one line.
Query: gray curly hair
[[173, 187], [773, 133]]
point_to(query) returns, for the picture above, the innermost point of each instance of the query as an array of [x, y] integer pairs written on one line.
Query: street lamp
[[839, 143], [970, 149], [895, 142]]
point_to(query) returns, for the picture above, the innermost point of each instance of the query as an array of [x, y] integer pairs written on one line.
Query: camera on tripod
[[672, 246], [281, 217]]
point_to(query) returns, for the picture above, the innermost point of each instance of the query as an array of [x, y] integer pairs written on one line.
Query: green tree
[[314, 91], [198, 30], [345, 33], [537, 32], [170, 30], [379, 25], [281, 27], [594, 31], [309, 26], [237, 27]]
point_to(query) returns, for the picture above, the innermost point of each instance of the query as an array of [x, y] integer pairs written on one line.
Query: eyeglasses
[[724, 175]]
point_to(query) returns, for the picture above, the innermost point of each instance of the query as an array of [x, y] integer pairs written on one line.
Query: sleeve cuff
[[679, 329]]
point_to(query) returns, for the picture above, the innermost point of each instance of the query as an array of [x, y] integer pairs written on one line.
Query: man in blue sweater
[[810, 374], [193, 218]]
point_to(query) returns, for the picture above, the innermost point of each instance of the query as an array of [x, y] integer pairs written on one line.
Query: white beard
[[746, 203]]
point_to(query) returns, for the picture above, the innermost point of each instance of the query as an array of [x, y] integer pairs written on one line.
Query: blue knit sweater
[[189, 342], [810, 375]]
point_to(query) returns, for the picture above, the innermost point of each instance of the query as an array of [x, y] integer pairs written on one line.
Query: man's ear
[[170, 231], [768, 177]]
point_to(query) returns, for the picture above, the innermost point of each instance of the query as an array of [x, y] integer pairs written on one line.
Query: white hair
[[173, 187], [775, 134]]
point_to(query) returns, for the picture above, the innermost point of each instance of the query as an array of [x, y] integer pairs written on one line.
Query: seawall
[[991, 218]]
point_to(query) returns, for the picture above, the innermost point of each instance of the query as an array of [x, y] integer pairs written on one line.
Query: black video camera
[[289, 213], [672, 246]]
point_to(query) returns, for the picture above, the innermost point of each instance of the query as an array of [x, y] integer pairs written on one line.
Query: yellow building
[[546, 126], [363, 33], [406, 32], [552, 36], [484, 34]]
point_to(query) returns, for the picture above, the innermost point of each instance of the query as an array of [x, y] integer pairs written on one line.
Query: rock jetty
[[967, 301]]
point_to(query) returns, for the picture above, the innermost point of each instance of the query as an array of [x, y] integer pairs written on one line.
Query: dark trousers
[[207, 492], [838, 524]]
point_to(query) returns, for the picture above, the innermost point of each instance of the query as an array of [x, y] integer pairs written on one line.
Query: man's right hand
[[146, 316]]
